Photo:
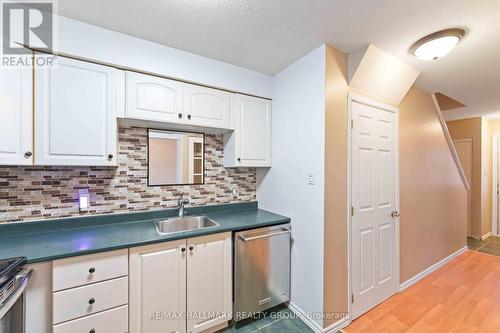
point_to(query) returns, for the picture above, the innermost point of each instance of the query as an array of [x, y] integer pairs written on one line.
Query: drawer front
[[83, 301], [111, 321], [83, 270]]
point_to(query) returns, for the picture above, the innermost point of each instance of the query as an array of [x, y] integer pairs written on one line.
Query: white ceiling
[[268, 35]]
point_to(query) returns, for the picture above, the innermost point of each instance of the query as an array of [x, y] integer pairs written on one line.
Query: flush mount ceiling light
[[438, 44]]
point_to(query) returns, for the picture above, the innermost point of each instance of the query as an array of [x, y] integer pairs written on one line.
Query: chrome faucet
[[180, 208]]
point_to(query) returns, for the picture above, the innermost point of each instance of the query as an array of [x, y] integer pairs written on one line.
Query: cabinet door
[[157, 277], [250, 143], [207, 107], [209, 281], [16, 116], [75, 114], [153, 98]]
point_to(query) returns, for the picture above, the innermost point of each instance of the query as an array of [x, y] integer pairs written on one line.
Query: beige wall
[[432, 194], [472, 128], [336, 183]]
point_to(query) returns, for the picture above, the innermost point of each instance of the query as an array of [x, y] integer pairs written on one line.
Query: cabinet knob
[[91, 301], [179, 115], [191, 248], [110, 156], [92, 270], [239, 159], [183, 249], [28, 154], [189, 117], [92, 331]]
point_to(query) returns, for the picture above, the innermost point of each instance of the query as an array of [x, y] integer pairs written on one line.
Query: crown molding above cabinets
[[72, 118]]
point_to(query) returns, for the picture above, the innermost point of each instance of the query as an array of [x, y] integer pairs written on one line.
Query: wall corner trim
[[335, 327], [450, 142], [410, 282]]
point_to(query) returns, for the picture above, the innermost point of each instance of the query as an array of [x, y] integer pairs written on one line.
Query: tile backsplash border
[[35, 193]]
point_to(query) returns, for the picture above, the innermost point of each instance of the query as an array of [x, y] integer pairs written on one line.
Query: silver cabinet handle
[[5, 306], [395, 213], [245, 239]]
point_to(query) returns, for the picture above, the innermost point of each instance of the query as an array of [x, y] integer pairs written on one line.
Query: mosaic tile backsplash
[[34, 193]]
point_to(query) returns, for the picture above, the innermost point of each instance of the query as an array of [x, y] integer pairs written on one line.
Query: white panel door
[[374, 185], [209, 281], [207, 107], [16, 116], [157, 295], [154, 98], [75, 114]]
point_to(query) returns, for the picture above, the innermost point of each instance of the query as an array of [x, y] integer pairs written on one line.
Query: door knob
[[179, 115], [395, 213], [110, 156], [28, 154]]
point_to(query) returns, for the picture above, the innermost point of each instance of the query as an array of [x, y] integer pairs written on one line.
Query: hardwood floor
[[463, 296]]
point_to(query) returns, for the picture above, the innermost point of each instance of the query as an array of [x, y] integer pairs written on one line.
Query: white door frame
[[370, 102], [494, 182]]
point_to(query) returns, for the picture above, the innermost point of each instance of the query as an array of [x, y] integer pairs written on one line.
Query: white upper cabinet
[[153, 98], [207, 107], [75, 114], [250, 143], [16, 116], [209, 281]]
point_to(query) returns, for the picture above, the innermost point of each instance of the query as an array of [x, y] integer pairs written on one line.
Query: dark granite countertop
[[55, 239]]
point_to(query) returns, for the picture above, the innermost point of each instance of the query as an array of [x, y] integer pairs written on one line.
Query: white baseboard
[[335, 327], [429, 270], [486, 236]]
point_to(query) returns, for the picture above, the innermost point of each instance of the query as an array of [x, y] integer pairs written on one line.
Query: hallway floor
[[463, 296], [490, 245]]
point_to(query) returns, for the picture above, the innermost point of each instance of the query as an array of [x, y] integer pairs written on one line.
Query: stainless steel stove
[[14, 278]]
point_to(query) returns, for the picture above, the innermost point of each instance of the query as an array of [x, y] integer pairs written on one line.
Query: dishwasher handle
[[23, 278], [247, 239]]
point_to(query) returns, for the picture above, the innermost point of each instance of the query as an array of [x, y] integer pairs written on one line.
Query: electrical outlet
[[235, 191]]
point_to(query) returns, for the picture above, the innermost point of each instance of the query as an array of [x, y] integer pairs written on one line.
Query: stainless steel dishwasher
[[261, 269]]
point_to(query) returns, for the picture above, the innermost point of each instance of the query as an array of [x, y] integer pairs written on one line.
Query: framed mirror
[[175, 158]]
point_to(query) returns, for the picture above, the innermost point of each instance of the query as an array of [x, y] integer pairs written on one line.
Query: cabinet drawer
[[82, 270], [110, 321], [83, 301]]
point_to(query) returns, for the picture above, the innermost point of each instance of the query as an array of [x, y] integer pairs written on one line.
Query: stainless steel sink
[[186, 223]]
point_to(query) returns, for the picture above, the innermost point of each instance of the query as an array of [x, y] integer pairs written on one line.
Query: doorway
[[463, 148], [374, 184]]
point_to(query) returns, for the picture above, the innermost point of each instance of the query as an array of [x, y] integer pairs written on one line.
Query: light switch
[[311, 179]]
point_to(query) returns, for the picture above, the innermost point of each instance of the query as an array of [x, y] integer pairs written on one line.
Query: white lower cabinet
[[110, 321], [181, 286], [158, 287], [83, 301], [209, 281]]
